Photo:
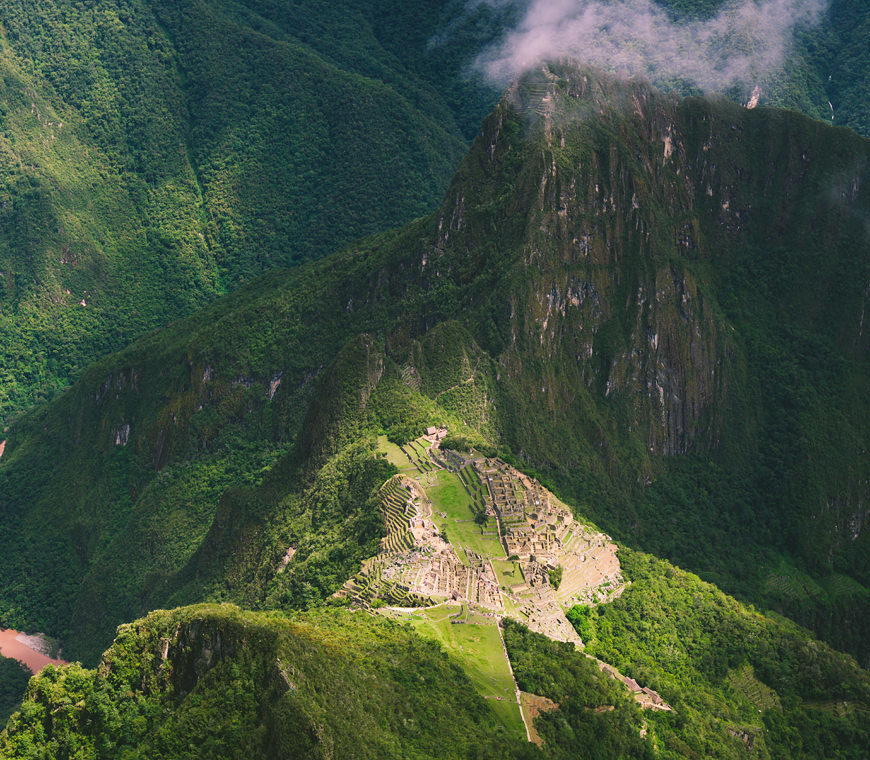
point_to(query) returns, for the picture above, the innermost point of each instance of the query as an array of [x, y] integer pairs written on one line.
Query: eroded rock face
[[664, 356], [604, 290], [615, 213], [670, 272]]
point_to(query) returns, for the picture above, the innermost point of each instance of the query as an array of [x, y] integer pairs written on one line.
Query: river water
[[19, 646]]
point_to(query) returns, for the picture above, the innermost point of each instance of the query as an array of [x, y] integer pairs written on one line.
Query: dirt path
[[425, 501], [536, 705], [464, 382]]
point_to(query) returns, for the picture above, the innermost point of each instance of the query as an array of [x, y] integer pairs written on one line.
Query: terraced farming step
[[442, 542]]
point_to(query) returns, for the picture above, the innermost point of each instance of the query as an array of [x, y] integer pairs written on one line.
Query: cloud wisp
[[743, 44]]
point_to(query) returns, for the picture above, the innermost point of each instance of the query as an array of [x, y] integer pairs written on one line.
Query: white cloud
[[740, 46]]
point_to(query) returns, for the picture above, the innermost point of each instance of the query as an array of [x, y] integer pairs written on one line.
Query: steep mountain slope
[[327, 685], [156, 155], [212, 681], [656, 304]]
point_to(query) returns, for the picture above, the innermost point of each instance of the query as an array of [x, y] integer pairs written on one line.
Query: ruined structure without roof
[[417, 566], [534, 534]]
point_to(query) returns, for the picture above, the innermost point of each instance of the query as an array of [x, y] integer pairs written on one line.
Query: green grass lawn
[[478, 648], [395, 455], [449, 496], [508, 572]]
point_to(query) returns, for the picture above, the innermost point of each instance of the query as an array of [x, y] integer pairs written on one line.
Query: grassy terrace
[[410, 459], [477, 646], [448, 495], [394, 499], [508, 572], [761, 696], [395, 456], [474, 487]]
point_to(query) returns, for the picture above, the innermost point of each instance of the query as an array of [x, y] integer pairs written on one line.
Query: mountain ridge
[[157, 156], [194, 147], [275, 384]]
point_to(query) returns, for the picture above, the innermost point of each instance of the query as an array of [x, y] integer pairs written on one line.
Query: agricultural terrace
[[411, 459], [470, 540], [452, 521]]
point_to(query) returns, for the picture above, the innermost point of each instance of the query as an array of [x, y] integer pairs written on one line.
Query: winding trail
[[460, 384]]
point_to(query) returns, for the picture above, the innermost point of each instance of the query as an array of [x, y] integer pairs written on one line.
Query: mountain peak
[[563, 85]]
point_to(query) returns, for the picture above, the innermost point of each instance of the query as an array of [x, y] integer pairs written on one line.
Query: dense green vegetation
[[672, 339], [216, 682], [720, 422], [727, 670], [579, 728], [154, 155], [566, 306], [13, 681], [213, 681]]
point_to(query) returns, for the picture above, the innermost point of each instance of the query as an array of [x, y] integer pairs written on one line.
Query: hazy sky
[[746, 41]]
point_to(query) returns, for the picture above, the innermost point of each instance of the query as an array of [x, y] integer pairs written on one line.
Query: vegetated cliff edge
[[658, 304], [213, 681]]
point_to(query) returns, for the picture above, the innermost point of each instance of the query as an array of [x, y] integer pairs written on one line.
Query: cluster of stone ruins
[[536, 531], [538, 534], [543, 535]]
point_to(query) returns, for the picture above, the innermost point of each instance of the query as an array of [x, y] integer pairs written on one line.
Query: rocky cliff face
[[619, 225], [668, 277]]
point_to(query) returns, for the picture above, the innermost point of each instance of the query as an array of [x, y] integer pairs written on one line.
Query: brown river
[[25, 649]]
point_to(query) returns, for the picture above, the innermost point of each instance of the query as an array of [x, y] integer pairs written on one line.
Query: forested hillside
[[652, 305], [212, 681], [155, 155], [827, 68], [661, 315], [216, 682], [13, 682]]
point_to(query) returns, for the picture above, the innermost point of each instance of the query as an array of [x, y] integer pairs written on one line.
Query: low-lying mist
[[740, 46]]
